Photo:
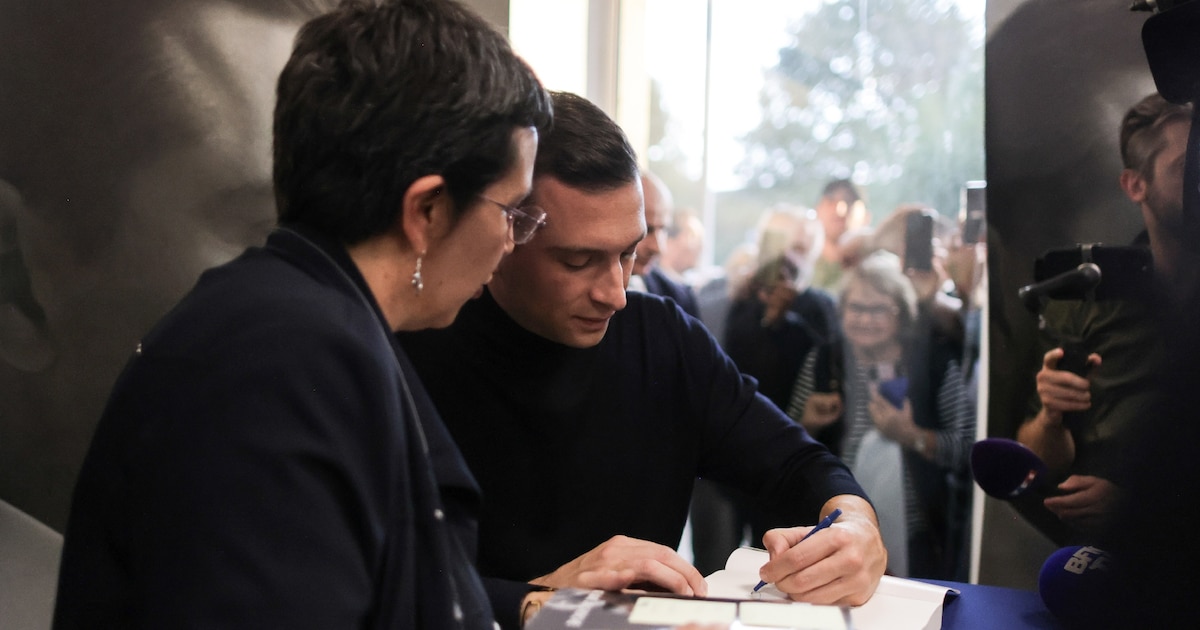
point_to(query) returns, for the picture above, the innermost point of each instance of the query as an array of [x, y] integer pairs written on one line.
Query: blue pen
[[825, 522]]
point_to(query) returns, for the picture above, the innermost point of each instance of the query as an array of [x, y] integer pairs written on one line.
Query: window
[[740, 104]]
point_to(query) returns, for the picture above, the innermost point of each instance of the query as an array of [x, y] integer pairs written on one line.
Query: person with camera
[[1083, 417]]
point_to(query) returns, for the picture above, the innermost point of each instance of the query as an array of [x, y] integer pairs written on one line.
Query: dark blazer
[[267, 459], [659, 283]]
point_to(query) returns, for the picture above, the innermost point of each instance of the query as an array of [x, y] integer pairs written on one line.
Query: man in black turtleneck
[[586, 413]]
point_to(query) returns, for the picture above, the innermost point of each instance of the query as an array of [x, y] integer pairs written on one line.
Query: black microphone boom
[[1068, 284]]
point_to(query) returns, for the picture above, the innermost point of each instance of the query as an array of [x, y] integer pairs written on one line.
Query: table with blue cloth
[[979, 607]]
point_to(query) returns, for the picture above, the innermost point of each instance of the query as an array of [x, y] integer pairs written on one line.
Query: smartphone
[[918, 241], [973, 212], [828, 377], [1075, 358], [895, 390]]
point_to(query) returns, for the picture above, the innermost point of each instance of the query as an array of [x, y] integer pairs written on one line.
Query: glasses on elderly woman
[[523, 222], [873, 311]]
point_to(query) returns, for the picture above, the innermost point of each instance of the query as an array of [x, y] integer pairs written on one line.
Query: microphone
[[1078, 585], [1007, 469], [1071, 283]]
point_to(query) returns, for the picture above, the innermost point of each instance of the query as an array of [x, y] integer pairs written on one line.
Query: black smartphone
[[828, 377], [918, 241], [1075, 358], [973, 212]]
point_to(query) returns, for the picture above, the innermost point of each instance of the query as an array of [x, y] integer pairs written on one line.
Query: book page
[[740, 575], [898, 603], [668, 611], [776, 615]]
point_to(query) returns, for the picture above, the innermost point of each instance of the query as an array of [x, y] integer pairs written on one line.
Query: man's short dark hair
[[840, 185], [1142, 131], [585, 149], [378, 94]]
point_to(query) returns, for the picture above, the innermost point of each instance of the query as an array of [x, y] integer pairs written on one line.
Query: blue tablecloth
[[981, 607]]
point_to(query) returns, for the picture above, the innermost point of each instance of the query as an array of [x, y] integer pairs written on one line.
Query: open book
[[898, 604], [600, 610]]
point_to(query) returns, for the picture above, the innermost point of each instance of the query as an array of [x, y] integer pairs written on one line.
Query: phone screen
[[974, 212], [918, 242]]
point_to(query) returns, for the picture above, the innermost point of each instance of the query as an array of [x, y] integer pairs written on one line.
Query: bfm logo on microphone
[[1087, 558]]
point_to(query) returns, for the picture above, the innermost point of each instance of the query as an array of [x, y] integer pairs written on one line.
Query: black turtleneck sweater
[[573, 446]]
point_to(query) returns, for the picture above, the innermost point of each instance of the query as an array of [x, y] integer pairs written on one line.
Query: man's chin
[[586, 341], [576, 337]]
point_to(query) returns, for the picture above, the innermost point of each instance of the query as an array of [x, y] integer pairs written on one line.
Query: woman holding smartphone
[[905, 419]]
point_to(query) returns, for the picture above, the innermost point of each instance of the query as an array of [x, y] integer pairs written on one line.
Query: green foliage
[[887, 92]]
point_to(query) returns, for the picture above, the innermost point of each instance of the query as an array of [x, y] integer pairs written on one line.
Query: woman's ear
[[424, 208], [23, 341]]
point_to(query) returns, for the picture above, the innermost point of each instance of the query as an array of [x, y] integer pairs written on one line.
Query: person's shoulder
[[818, 294], [653, 315], [659, 283], [659, 322], [255, 301]]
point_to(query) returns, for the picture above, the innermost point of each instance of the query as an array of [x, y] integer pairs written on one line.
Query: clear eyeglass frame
[[523, 222]]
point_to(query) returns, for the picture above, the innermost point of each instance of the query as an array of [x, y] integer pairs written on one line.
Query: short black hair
[[378, 94], [1141, 132], [585, 149], [842, 185]]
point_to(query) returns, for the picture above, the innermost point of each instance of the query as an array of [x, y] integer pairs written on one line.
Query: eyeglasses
[[874, 311], [523, 222]]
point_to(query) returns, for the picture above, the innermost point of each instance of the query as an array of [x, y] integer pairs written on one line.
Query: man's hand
[[839, 565], [1061, 391], [821, 410], [621, 562], [1085, 503]]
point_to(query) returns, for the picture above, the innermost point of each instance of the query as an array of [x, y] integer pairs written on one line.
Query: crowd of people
[[865, 346]]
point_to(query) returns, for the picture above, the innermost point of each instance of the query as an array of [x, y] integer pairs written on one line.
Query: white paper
[[898, 604], [740, 575], [668, 611], [794, 615]]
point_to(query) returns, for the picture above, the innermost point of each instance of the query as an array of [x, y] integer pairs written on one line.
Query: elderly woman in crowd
[[905, 422]]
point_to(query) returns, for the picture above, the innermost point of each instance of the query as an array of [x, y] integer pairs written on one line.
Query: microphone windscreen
[[1006, 469], [1078, 585]]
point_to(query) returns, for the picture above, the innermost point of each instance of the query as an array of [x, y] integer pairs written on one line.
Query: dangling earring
[[417, 282]]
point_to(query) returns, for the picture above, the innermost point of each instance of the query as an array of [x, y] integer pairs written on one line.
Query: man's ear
[[24, 343], [1134, 185], [423, 210]]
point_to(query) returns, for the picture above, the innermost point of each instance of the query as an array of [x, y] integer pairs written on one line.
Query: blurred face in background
[[135, 152], [839, 212], [777, 297], [658, 219], [796, 234], [684, 248], [870, 319]]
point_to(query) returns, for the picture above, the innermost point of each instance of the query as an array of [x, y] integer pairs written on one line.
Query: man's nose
[[610, 287], [653, 244]]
